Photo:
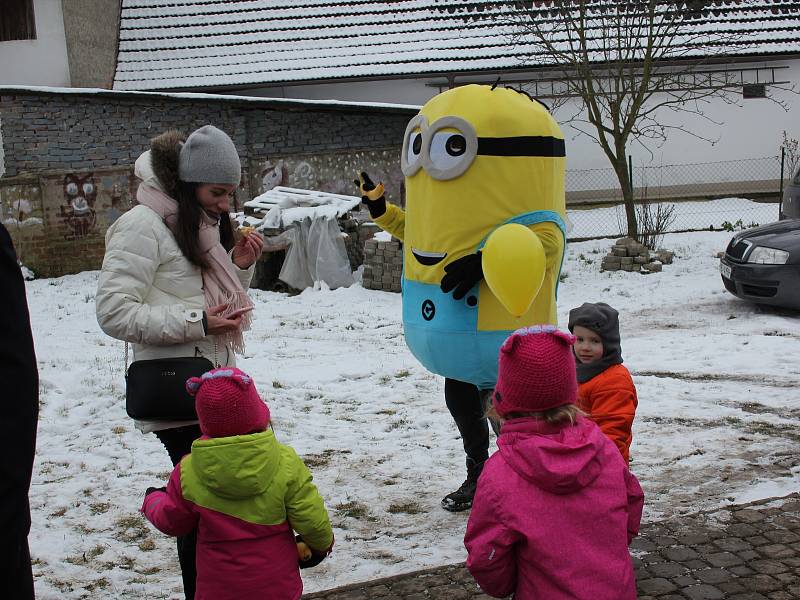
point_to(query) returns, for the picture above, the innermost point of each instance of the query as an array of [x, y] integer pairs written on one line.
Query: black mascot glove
[[150, 490], [306, 557], [372, 195], [461, 275]]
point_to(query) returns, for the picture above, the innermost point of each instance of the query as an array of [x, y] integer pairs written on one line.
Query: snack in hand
[[303, 551], [246, 230]]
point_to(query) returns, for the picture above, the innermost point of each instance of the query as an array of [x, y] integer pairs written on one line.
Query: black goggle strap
[[531, 145]]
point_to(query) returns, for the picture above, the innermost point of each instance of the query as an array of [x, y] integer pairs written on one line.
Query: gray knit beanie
[[209, 156]]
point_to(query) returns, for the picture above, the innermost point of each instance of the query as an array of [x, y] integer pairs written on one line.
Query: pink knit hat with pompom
[[536, 371], [227, 403]]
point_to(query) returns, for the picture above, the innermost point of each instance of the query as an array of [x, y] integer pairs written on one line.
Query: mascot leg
[[467, 405]]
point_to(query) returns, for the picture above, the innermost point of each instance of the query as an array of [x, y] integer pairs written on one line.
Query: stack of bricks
[[629, 255], [383, 265], [358, 232]]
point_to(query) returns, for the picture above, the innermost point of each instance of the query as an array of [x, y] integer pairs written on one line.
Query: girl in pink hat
[[556, 506], [246, 494]]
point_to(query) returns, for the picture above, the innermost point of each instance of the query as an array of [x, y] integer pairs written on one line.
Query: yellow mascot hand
[[513, 266]]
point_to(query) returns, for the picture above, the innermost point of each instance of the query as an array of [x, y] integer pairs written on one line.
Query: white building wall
[[42, 61], [751, 129]]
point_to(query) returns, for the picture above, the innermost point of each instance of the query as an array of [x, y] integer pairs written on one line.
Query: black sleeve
[[19, 400]]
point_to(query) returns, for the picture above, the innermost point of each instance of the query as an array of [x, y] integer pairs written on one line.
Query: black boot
[[461, 499]]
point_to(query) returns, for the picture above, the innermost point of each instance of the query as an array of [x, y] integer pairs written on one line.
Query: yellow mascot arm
[[393, 221], [552, 241]]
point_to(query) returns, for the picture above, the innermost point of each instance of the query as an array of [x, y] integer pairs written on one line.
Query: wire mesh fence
[[723, 195]]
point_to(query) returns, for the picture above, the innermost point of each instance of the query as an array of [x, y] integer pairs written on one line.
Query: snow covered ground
[[718, 419]]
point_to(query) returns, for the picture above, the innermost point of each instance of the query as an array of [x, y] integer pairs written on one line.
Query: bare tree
[[791, 149], [625, 62]]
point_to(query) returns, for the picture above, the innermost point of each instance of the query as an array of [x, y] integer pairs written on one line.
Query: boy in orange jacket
[[605, 387]]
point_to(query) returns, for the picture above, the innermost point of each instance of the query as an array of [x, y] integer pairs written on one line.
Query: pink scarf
[[220, 283]]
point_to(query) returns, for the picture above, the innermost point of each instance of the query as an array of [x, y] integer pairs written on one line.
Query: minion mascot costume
[[484, 239]]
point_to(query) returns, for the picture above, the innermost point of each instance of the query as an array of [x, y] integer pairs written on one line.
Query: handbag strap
[[216, 362]]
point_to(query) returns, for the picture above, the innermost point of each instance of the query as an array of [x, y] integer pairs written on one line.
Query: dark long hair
[[189, 215]]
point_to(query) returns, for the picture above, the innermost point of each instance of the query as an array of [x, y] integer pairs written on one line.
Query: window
[[754, 90], [16, 20]]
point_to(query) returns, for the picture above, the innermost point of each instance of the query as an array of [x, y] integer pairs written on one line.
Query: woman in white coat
[[173, 283]]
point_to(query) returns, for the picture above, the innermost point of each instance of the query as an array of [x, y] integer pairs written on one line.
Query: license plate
[[725, 270]]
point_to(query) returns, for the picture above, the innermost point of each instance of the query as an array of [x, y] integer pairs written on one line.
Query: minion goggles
[[447, 154]]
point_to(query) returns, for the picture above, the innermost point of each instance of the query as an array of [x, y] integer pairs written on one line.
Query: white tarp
[[316, 251]]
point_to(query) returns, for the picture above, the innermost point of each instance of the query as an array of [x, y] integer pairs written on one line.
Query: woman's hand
[[217, 324], [247, 250]]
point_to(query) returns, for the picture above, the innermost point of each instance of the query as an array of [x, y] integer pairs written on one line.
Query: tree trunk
[[621, 169]]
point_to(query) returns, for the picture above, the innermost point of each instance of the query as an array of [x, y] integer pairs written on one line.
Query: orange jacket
[[610, 401]]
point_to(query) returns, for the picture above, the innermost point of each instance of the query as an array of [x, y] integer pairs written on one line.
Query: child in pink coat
[[556, 506], [246, 494]]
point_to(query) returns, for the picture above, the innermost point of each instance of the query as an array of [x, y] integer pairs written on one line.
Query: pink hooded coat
[[553, 515]]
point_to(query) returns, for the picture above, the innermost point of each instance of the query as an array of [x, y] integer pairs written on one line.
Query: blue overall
[[442, 332]]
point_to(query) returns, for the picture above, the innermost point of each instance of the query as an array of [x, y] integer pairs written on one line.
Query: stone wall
[[68, 157]]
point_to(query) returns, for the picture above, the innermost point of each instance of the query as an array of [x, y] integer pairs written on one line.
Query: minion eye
[[413, 143], [455, 145], [452, 145], [414, 147], [448, 155]]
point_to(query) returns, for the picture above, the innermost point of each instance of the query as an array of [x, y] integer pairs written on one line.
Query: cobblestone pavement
[[745, 552]]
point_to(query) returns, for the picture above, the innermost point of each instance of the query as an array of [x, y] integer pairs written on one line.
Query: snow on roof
[[256, 100], [186, 44]]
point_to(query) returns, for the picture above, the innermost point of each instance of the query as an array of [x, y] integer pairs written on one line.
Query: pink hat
[[227, 403], [536, 371]]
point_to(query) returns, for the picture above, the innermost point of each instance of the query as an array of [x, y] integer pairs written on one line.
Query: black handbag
[[155, 390]]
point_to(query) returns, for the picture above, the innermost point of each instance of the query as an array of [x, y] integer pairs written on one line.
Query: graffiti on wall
[[332, 173], [88, 203], [77, 211], [18, 214]]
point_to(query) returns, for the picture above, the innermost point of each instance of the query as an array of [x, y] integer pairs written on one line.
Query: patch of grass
[[402, 374], [84, 530], [147, 545], [409, 508], [384, 379], [397, 424], [353, 509], [277, 384], [389, 482], [98, 508], [387, 411], [123, 562], [131, 528], [323, 458], [119, 429]]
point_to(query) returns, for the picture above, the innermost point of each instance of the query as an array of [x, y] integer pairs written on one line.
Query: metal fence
[[713, 195]]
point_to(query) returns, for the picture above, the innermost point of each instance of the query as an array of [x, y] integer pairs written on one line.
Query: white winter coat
[[150, 295]]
